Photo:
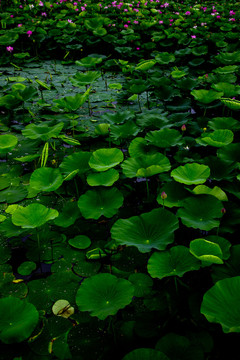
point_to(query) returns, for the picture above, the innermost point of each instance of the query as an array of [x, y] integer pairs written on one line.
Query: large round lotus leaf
[[179, 347], [102, 129], [83, 79], [46, 179], [221, 304], [229, 90], [205, 250], [18, 319], [118, 117], [7, 143], [216, 191], [124, 131], [217, 138], [200, 50], [106, 178], [164, 138], [154, 229], [26, 268], [153, 119], [69, 214], [224, 244], [191, 174], [201, 212], [176, 261], [164, 58], [139, 147], [13, 194], [33, 215], [230, 268], [89, 61], [175, 194], [145, 354], [104, 295], [145, 166], [230, 152], [229, 123], [142, 284], [206, 96], [95, 203], [80, 242], [77, 162], [104, 159], [42, 131]]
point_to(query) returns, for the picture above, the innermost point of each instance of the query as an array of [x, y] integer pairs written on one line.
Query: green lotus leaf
[[228, 58], [142, 284], [164, 138], [99, 31], [216, 191], [139, 147], [206, 96], [77, 163], [119, 117], [176, 261], [13, 194], [153, 119], [178, 347], [89, 62], [46, 179], [217, 138], [42, 131], [7, 143], [104, 159], [175, 192], [103, 295], [145, 166], [200, 50], [106, 178], [145, 65], [83, 79], [224, 244], [9, 101], [232, 104], [102, 129], [164, 58], [154, 229], [72, 103], [202, 212], [33, 215], [26, 268], [80, 242], [226, 69], [205, 250], [190, 174], [18, 319], [124, 131], [221, 304], [145, 354], [69, 214], [231, 267], [229, 90], [219, 123], [93, 204], [2, 218], [196, 62], [230, 152]]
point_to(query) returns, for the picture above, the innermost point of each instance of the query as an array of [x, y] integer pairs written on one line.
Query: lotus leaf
[[18, 319], [102, 129], [80, 242], [26, 268], [146, 166], [229, 90], [42, 131], [164, 58], [69, 214], [226, 69], [7, 143], [224, 123], [207, 251], [175, 192], [72, 103], [124, 131], [200, 50], [230, 152], [217, 138], [118, 117], [224, 244], [104, 159], [228, 58], [176, 261], [142, 284], [89, 62], [154, 229], [106, 178], [230, 268], [104, 295], [164, 138], [221, 304], [139, 147], [190, 174], [93, 204], [62, 308], [206, 96], [145, 354], [145, 65], [216, 191], [153, 119], [83, 79], [202, 212], [46, 179], [76, 163], [13, 194], [33, 215]]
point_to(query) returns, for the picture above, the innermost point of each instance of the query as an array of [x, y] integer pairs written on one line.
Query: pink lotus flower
[[29, 33], [9, 48]]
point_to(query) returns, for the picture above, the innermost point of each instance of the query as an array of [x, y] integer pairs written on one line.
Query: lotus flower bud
[[163, 195]]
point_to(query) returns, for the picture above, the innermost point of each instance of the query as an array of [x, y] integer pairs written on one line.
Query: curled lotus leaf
[[33, 215], [189, 174], [104, 159], [46, 179], [7, 143]]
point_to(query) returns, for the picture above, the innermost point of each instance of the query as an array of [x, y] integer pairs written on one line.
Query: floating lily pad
[[146, 166], [202, 212], [33, 215], [80, 242], [93, 204], [18, 319], [145, 354], [229, 123], [106, 178], [26, 268], [76, 163], [139, 147], [69, 214], [154, 229], [164, 138], [103, 295], [42, 131], [119, 117], [191, 174], [205, 250], [217, 138], [104, 159], [13, 194], [216, 191], [142, 284], [221, 304], [7, 143], [46, 179], [206, 96], [176, 261]]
